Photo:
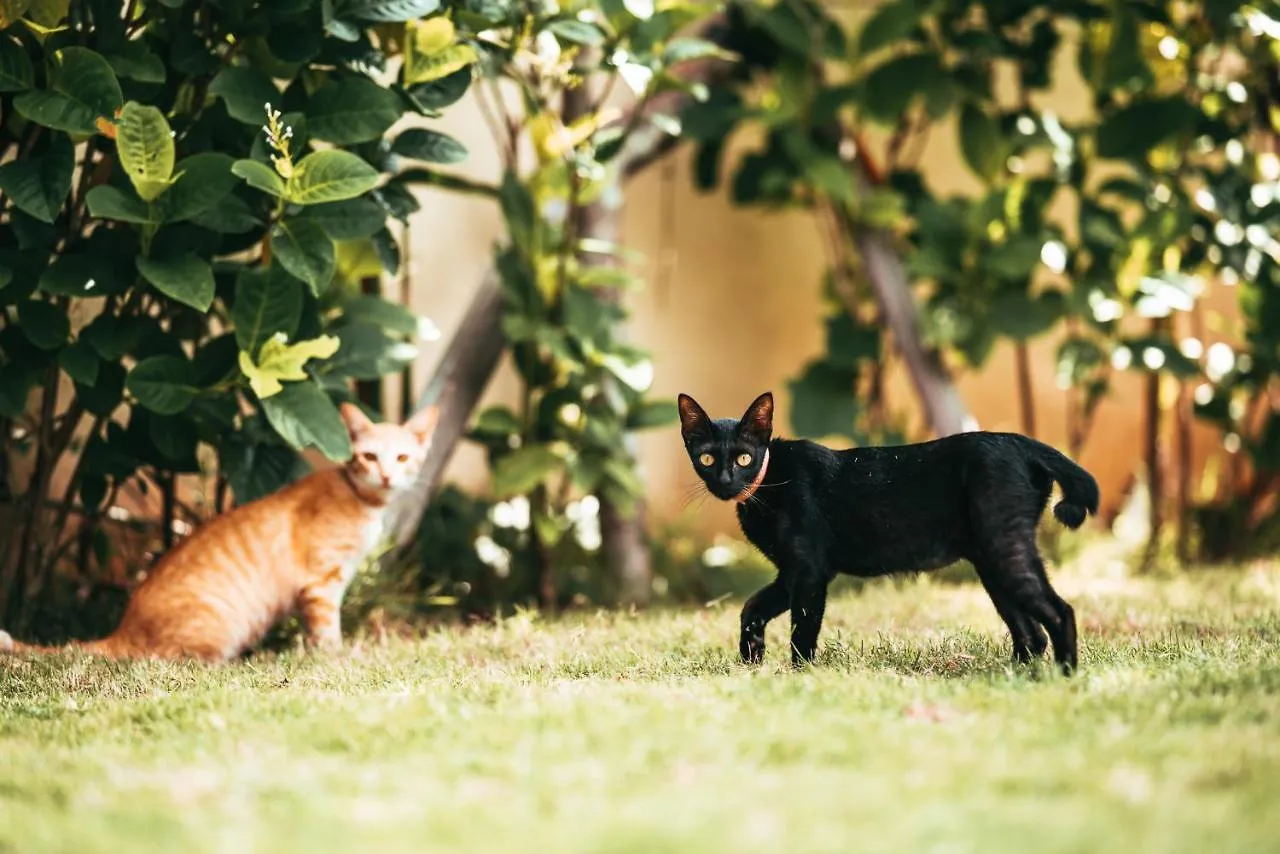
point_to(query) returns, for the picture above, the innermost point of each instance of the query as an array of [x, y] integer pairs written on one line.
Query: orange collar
[[745, 495]]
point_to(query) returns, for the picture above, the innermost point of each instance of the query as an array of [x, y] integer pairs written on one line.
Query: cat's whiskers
[[696, 490]]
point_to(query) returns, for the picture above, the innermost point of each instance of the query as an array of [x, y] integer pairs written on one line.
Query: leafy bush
[[192, 191]]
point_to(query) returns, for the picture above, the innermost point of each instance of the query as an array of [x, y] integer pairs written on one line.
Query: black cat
[[815, 512]]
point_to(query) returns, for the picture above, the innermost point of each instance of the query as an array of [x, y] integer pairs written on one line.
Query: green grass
[[641, 733]]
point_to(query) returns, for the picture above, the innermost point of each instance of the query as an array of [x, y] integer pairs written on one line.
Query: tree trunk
[[624, 547], [944, 409], [1026, 399], [456, 386]]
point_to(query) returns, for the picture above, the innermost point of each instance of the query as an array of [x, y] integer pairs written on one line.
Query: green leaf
[[279, 361], [81, 362], [891, 23], [497, 421], [107, 202], [201, 182], [38, 186], [163, 384], [523, 469], [368, 352], [145, 145], [75, 275], [850, 344], [105, 395], [981, 142], [133, 60], [257, 469], [388, 11], [44, 324], [330, 176], [185, 278], [246, 93], [175, 438], [823, 401], [82, 89], [1021, 316], [425, 67], [518, 210], [229, 215], [351, 110], [578, 32], [11, 11], [45, 17], [444, 92], [268, 302], [302, 248], [16, 72], [889, 88], [260, 176], [351, 219], [304, 416], [1133, 130], [1015, 259], [112, 336], [429, 146], [15, 387], [688, 49], [653, 413], [380, 312]]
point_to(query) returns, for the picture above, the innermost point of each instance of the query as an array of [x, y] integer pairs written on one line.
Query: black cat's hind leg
[[1029, 639], [1011, 555], [764, 605], [1030, 588]]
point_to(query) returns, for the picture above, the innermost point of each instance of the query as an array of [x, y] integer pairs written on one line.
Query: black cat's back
[[901, 508]]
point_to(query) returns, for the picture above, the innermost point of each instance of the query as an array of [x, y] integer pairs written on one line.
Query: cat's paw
[[751, 649], [6, 642], [803, 661]]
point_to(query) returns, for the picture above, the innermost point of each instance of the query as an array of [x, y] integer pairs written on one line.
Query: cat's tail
[[1079, 489], [9, 645]]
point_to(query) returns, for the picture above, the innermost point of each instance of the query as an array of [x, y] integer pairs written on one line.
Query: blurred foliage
[[1106, 230], [191, 191], [582, 387], [475, 558]]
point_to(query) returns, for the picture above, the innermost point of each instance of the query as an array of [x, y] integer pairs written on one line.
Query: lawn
[[621, 733]]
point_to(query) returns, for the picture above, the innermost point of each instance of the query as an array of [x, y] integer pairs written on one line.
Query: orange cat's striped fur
[[217, 593]]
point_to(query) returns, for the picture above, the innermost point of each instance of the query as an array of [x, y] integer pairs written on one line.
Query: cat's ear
[[423, 423], [757, 421], [357, 422], [692, 416]]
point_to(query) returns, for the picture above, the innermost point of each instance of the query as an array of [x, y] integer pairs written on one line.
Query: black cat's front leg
[[808, 604], [765, 604]]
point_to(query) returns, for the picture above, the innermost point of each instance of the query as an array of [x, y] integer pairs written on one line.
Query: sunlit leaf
[[278, 362]]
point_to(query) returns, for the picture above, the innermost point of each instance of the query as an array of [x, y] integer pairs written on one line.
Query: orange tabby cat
[[216, 593]]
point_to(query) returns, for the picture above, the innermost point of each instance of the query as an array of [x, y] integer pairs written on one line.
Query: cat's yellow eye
[[706, 459], [403, 458], [744, 460]]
